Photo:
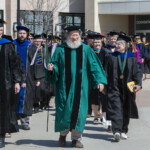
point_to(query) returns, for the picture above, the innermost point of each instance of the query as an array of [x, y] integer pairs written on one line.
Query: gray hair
[[123, 42]]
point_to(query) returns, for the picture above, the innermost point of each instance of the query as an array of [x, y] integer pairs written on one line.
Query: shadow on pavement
[[8, 143], [89, 122], [96, 128], [51, 109], [53, 114], [100, 137], [44, 143]]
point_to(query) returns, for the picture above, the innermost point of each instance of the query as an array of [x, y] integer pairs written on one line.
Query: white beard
[[73, 45]]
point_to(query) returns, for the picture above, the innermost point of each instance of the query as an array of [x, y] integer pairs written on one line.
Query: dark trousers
[[119, 118], [2, 135], [24, 119], [89, 107]]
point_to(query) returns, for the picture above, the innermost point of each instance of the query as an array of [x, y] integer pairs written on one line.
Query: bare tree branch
[[45, 12]]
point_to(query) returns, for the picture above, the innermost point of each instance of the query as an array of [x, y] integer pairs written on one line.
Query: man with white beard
[[69, 69]]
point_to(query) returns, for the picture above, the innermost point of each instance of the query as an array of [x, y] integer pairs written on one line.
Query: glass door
[[142, 25]]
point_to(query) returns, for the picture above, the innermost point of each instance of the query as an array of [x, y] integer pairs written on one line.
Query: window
[[37, 22], [69, 19], [143, 22], [1, 14], [143, 25]]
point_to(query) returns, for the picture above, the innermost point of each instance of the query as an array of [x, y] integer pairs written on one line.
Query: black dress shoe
[[109, 130], [2, 142], [26, 127], [36, 110], [62, 140], [77, 144]]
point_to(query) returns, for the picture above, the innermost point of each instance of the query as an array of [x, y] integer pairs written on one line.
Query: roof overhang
[[126, 7]]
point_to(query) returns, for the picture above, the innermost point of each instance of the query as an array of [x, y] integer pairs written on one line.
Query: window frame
[[63, 16], [2, 13], [34, 23]]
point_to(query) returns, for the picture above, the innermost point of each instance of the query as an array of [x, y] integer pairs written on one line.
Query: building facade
[[130, 16], [43, 17], [2, 9]]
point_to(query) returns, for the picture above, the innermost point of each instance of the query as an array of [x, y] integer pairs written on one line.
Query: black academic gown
[[121, 102], [39, 74], [95, 96], [147, 59], [30, 83], [109, 48], [45, 90], [130, 49], [9, 75]]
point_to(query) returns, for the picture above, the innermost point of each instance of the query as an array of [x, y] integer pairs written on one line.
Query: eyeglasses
[[74, 35], [97, 42]]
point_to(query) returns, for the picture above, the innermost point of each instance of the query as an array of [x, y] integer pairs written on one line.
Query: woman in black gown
[[122, 67]]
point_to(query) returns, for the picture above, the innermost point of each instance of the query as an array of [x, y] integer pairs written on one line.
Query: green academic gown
[[72, 68]]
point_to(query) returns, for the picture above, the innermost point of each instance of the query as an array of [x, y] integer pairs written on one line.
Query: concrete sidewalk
[[94, 137]]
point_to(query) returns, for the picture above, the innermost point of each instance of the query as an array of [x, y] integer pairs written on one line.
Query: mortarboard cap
[[124, 37], [22, 28], [123, 33], [73, 28], [102, 35], [38, 37], [32, 34], [112, 33], [91, 34], [57, 37], [97, 36], [44, 35], [136, 35]]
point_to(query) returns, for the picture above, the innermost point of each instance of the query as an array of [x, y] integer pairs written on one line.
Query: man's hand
[[136, 88], [37, 83], [17, 88], [101, 87], [50, 67], [23, 85], [142, 60]]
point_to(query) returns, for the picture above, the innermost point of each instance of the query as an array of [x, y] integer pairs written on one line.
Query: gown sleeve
[[137, 73], [142, 50], [14, 64], [22, 70], [147, 52], [97, 73], [52, 77], [38, 67], [113, 93]]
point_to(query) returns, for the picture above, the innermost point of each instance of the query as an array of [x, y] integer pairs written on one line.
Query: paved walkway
[[94, 137]]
